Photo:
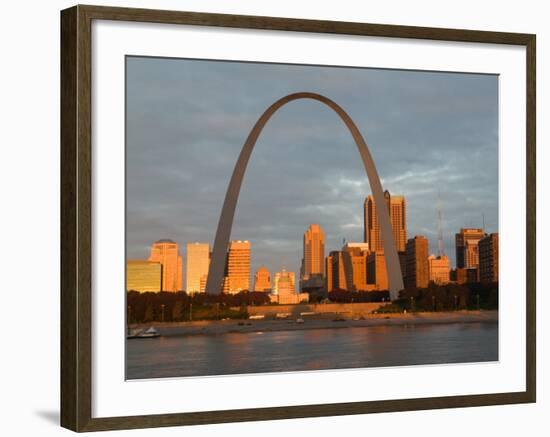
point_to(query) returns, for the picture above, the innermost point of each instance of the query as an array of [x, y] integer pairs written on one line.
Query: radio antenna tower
[[440, 244]]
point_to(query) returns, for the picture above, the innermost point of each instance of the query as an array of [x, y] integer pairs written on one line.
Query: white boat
[[140, 333], [150, 333]]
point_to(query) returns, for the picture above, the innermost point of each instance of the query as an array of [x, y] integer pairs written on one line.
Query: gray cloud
[[431, 134]]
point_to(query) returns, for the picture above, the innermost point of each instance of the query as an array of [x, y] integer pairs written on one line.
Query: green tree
[[148, 317], [177, 311]]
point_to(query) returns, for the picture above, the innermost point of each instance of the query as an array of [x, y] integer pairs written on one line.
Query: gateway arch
[[223, 233]]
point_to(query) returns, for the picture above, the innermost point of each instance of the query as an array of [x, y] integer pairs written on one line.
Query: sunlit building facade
[[313, 261], [439, 269], [198, 262], [284, 291], [166, 252], [237, 270], [277, 277], [143, 275], [262, 279], [466, 244], [397, 209], [335, 274], [377, 274], [417, 270], [354, 257], [488, 258]]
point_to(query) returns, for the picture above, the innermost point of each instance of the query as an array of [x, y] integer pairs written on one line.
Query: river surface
[[313, 349]]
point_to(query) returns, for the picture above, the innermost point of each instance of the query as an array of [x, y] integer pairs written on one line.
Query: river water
[[314, 349]]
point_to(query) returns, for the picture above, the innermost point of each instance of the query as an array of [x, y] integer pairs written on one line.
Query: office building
[[488, 258], [377, 274], [166, 253], [143, 275], [313, 261], [354, 257], [237, 269], [397, 210], [262, 279], [466, 244], [417, 270], [335, 275], [439, 269], [198, 262]]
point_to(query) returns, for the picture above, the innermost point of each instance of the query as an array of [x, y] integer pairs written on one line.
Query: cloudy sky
[[430, 134]]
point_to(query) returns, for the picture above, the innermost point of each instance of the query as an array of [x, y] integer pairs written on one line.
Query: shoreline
[[232, 326]]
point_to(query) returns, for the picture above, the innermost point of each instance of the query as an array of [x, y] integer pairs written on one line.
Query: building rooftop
[[165, 240]]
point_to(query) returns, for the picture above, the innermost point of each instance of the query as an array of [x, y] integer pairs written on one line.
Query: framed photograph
[[270, 218]]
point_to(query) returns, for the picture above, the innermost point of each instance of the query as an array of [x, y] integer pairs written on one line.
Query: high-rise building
[[328, 273], [417, 270], [143, 275], [198, 262], [335, 274], [347, 269], [488, 258], [439, 269], [166, 253], [237, 269], [313, 261], [354, 256], [377, 273], [466, 242], [262, 279], [397, 210]]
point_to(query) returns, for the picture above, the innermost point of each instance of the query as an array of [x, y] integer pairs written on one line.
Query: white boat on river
[[141, 333]]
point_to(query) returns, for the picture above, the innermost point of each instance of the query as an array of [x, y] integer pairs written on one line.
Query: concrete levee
[[342, 310]]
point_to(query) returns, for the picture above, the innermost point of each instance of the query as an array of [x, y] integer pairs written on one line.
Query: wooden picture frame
[[76, 218]]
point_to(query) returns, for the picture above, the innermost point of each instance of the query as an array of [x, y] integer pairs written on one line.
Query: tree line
[[175, 307], [180, 306], [448, 297]]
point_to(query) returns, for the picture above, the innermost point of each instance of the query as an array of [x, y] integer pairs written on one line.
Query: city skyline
[[305, 168], [353, 267]]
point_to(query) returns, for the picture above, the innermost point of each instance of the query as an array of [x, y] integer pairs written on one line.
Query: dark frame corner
[[76, 224]]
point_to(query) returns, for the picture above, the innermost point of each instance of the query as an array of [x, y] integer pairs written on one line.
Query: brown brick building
[[417, 271]]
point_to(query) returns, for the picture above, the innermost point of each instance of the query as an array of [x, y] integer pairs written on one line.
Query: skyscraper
[[466, 242], [262, 279], [335, 274], [397, 209], [198, 262], [417, 270], [166, 253], [355, 265], [237, 269], [143, 275], [377, 273], [488, 258], [313, 261]]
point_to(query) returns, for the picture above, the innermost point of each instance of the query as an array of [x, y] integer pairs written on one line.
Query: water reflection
[[314, 349]]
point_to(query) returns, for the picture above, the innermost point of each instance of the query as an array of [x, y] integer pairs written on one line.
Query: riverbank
[[217, 327]]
